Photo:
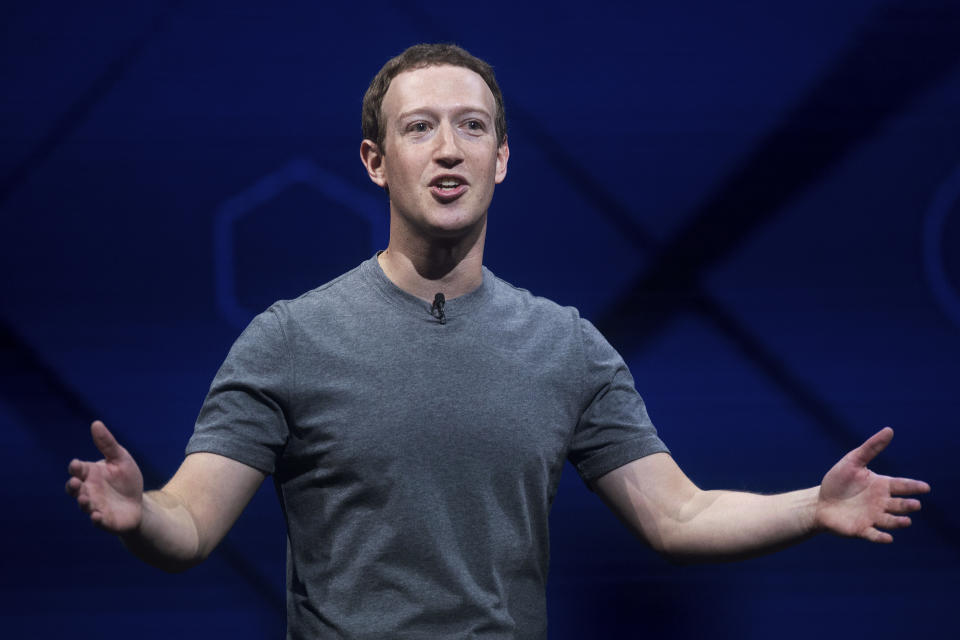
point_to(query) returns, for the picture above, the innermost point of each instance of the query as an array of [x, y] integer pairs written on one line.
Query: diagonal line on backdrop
[[48, 406], [44, 400], [816, 408], [573, 174], [874, 80], [647, 324], [78, 112]]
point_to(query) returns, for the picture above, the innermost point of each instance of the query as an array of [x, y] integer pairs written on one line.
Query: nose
[[448, 152]]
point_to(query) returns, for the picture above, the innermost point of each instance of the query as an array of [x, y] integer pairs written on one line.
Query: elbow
[[180, 564], [678, 551], [172, 564], [694, 552], [670, 553], [669, 550], [167, 558]]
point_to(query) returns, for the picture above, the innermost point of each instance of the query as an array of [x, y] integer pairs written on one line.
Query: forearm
[[663, 507], [167, 536], [730, 525]]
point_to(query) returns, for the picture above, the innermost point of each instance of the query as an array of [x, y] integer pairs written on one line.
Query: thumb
[[869, 450], [106, 443]]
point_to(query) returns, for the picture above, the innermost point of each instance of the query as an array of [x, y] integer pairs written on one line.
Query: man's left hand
[[857, 502]]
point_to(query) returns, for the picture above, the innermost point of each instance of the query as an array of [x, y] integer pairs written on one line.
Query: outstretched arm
[[662, 506], [173, 528]]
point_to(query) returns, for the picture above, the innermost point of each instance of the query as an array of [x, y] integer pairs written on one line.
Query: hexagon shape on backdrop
[[292, 230], [942, 232]]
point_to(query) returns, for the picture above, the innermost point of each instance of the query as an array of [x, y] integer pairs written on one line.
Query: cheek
[[405, 172]]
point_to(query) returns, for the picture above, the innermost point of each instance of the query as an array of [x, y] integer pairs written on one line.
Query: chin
[[455, 230], [442, 222], [455, 220]]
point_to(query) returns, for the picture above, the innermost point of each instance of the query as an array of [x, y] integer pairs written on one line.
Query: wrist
[[814, 522]]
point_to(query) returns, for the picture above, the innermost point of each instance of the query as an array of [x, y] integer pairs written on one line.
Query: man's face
[[440, 160]]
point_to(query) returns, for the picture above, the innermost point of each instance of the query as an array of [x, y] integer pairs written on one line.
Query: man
[[416, 413]]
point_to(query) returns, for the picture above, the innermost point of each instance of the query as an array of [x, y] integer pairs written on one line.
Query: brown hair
[[417, 57]]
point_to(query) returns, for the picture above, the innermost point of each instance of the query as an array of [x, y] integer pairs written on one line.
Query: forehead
[[441, 87]]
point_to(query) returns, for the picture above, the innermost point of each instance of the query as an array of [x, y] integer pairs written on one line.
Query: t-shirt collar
[[460, 306]]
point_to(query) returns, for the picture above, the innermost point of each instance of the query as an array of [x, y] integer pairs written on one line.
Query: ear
[[373, 160], [503, 154]]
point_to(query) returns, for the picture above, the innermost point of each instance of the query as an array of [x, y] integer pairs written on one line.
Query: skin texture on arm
[[657, 501], [176, 527]]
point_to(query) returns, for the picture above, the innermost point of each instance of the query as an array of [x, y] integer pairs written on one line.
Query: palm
[[855, 501], [110, 490]]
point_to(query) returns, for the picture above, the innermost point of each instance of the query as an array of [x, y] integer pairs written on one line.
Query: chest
[[435, 404]]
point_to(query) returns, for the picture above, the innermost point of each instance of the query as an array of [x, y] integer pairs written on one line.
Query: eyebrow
[[456, 112]]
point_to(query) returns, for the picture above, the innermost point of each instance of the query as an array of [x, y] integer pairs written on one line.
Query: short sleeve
[[244, 414], [614, 428]]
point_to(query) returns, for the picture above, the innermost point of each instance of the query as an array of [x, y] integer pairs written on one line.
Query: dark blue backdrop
[[758, 203]]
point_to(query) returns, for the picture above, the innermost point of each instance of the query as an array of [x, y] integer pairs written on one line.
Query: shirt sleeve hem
[[257, 460], [613, 457]]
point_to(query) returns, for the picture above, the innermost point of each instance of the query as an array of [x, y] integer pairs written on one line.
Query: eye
[[418, 127], [475, 125]]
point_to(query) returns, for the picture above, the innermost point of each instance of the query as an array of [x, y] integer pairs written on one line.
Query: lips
[[447, 188]]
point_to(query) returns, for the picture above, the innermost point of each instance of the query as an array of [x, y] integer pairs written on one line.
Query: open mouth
[[448, 188]]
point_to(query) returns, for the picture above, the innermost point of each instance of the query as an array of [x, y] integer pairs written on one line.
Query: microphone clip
[[436, 309]]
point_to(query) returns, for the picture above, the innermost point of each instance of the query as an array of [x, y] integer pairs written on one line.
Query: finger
[[888, 521], [105, 441], [875, 535], [901, 506], [907, 486], [78, 469], [73, 486], [869, 450]]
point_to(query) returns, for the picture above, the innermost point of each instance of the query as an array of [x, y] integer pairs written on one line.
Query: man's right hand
[[175, 527], [110, 490]]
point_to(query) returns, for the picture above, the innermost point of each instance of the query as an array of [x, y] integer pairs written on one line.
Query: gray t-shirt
[[416, 461]]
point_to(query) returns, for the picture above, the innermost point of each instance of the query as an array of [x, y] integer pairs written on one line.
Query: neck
[[425, 267]]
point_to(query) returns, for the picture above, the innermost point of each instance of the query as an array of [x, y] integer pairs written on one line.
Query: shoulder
[[521, 305], [557, 323], [334, 297], [509, 296], [286, 323]]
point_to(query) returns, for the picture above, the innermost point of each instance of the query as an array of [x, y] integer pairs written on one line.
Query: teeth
[[449, 184]]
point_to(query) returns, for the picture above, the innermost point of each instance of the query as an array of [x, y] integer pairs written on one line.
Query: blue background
[[758, 203]]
